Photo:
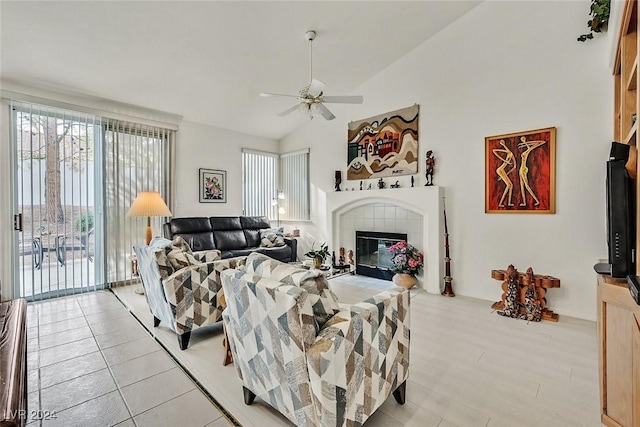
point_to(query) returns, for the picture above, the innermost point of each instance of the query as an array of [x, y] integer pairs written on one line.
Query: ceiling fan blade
[[269, 94], [324, 111], [358, 99], [289, 110], [316, 87]]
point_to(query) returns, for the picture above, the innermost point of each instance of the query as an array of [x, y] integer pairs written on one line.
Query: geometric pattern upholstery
[[184, 299], [323, 300], [207, 256], [337, 377]]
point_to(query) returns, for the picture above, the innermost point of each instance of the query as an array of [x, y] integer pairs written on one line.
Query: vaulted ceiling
[[208, 60]]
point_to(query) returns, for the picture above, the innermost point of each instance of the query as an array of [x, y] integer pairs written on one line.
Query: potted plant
[[407, 262], [318, 255]]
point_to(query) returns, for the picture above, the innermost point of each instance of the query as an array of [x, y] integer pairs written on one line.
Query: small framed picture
[[213, 186]]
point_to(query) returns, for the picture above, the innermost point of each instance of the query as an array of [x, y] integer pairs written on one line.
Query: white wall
[[202, 146], [503, 67]]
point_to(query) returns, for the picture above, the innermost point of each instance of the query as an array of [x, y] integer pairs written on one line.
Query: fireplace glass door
[[372, 253]]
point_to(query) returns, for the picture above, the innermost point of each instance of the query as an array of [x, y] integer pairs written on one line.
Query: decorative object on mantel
[[524, 295], [448, 289], [396, 185], [407, 261], [318, 255], [381, 184], [369, 187], [384, 145], [430, 164], [599, 10], [213, 186], [338, 177], [351, 262], [360, 185], [532, 172], [340, 265], [412, 181]]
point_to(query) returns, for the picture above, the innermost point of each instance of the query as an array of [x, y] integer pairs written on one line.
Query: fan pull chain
[[311, 59]]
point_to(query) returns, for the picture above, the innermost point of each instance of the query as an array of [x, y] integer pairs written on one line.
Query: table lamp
[[149, 203], [276, 202]]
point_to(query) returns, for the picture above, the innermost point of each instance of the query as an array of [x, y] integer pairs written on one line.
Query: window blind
[[259, 178], [294, 183], [136, 158], [54, 192]]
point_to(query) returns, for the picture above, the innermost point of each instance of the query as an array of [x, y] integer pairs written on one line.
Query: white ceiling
[[208, 61]]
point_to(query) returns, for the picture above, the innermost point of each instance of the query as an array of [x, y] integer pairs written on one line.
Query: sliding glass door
[[58, 215], [76, 176]]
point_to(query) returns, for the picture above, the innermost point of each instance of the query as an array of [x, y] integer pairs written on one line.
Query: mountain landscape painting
[[384, 145]]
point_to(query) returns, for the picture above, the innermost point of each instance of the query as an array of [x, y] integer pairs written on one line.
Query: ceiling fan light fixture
[[311, 97]]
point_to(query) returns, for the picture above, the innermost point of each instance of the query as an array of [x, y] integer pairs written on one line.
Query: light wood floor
[[469, 366]]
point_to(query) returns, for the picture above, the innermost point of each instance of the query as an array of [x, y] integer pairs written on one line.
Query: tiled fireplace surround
[[416, 211]]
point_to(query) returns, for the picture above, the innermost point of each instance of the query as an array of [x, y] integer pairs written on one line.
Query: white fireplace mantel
[[427, 201]]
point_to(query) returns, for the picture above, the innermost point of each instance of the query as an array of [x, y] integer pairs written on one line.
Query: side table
[[135, 272], [228, 356]]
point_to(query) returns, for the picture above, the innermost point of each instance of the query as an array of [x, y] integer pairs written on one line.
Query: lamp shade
[[149, 203]]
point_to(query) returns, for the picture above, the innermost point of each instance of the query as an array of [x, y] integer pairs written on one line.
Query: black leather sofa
[[231, 235]]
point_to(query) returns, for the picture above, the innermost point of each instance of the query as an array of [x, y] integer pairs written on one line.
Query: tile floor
[[469, 366], [95, 365], [90, 363]]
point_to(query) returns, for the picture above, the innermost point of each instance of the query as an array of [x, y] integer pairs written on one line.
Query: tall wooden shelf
[[618, 314], [626, 102]]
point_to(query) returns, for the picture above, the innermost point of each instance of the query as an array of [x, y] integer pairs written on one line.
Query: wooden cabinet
[[618, 353]]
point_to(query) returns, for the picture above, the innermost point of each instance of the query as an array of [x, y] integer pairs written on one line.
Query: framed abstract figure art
[[520, 172]]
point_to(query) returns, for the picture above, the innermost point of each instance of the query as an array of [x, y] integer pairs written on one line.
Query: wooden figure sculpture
[[511, 302], [431, 164], [338, 180], [532, 304], [341, 259], [531, 294]]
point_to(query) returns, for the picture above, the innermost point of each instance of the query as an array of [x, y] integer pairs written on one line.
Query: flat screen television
[[621, 215]]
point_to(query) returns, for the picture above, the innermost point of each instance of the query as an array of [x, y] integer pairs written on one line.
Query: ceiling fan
[[311, 97]]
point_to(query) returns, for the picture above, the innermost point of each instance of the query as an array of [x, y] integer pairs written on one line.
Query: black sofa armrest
[[293, 244]]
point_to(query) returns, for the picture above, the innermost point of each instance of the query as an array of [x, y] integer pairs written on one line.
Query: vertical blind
[[136, 158], [55, 194], [294, 183], [264, 174], [259, 183]]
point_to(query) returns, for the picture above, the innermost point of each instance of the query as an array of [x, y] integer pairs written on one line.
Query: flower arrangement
[[406, 258], [212, 188]]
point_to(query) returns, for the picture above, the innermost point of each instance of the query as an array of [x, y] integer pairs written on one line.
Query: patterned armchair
[[182, 288], [295, 349]]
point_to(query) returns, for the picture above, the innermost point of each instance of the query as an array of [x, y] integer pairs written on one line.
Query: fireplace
[[372, 253], [415, 211]]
